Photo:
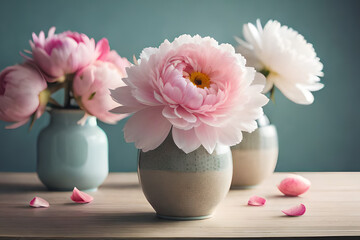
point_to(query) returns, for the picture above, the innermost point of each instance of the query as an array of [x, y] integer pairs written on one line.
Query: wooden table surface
[[120, 211]]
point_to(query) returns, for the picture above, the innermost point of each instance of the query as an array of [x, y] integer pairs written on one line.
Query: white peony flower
[[284, 57]]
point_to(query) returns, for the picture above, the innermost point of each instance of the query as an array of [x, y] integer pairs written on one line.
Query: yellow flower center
[[200, 80]]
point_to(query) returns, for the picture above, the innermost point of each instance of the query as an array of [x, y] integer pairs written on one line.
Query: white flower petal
[[314, 87], [286, 55], [294, 92], [259, 80], [243, 43], [268, 86], [252, 36], [259, 27]]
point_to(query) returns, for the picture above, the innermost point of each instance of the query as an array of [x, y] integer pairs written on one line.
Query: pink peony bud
[[22, 93], [92, 90], [64, 53], [294, 185]]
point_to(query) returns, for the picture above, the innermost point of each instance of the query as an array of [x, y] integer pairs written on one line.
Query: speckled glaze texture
[[70, 155], [183, 186], [255, 158]]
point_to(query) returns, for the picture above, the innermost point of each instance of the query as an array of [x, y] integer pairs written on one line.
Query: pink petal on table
[[256, 201], [298, 210], [294, 185], [80, 197], [38, 202]]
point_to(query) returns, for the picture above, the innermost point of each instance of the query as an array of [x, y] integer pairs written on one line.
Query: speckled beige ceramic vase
[[183, 186], [255, 158]]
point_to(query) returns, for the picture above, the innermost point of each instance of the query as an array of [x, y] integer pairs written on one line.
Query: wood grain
[[120, 211]]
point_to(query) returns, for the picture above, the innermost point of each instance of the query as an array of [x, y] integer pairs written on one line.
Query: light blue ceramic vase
[[70, 155]]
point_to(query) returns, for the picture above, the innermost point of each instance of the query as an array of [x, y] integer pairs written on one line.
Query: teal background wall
[[321, 137]]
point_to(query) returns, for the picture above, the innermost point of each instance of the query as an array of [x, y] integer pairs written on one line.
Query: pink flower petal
[[208, 137], [82, 121], [80, 197], [228, 136], [294, 185], [185, 139], [38, 202], [298, 210], [147, 137], [256, 201], [123, 96], [102, 49]]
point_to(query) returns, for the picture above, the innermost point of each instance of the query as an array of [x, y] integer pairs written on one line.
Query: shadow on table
[[130, 218], [120, 185], [281, 196], [21, 187]]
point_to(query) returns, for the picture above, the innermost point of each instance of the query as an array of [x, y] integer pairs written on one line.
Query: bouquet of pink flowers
[[70, 61]]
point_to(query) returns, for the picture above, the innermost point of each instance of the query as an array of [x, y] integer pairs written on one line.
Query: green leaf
[[92, 96], [33, 118]]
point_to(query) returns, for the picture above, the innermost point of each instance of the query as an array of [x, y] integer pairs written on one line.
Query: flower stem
[[68, 89], [265, 72], [54, 87], [272, 94]]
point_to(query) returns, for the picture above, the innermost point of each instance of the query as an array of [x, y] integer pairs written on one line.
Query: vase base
[[243, 187], [90, 190], [70, 189], [183, 218]]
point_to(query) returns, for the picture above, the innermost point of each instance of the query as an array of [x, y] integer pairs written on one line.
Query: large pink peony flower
[[22, 93], [64, 53], [194, 86], [91, 87]]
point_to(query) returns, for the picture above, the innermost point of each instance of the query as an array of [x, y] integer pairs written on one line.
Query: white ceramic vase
[[255, 158], [183, 186]]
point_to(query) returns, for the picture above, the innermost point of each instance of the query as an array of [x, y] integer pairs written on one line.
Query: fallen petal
[[295, 211], [38, 202], [80, 197], [256, 201], [294, 185], [82, 121]]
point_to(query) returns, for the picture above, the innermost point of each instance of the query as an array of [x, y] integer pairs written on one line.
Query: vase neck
[[70, 117]]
